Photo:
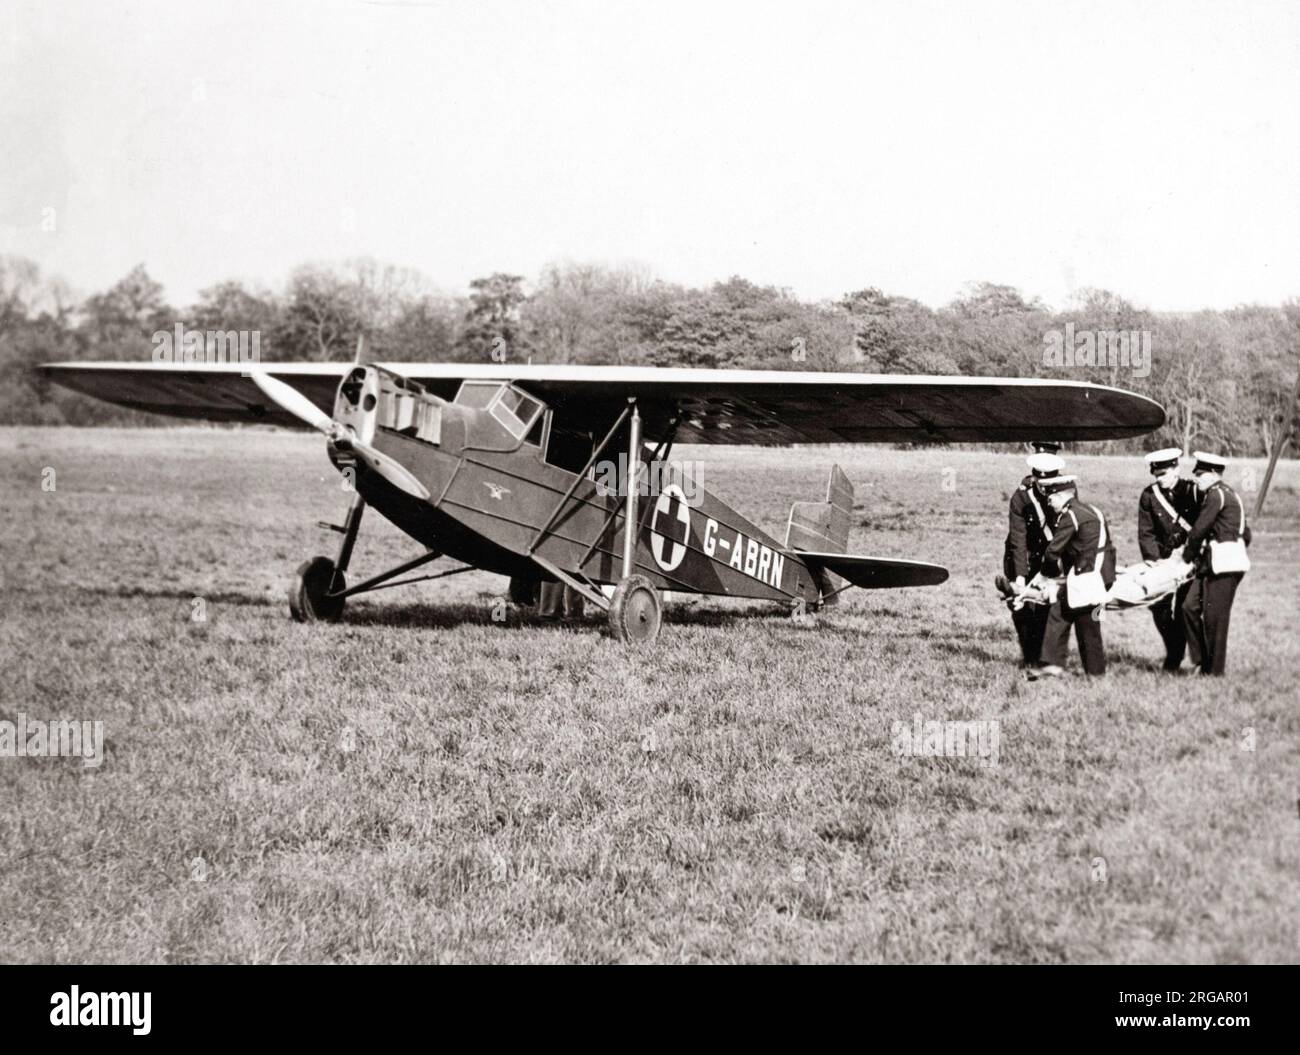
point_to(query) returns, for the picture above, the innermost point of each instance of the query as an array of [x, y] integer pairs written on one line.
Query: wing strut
[[587, 589], [660, 454], [541, 531], [634, 464]]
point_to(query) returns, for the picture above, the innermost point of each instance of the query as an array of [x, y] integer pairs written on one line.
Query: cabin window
[[516, 411], [569, 448], [477, 394]]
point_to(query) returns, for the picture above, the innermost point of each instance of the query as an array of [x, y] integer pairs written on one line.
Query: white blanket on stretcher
[[1136, 586]]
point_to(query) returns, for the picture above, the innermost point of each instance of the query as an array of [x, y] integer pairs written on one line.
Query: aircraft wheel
[[523, 590], [635, 611], [307, 596]]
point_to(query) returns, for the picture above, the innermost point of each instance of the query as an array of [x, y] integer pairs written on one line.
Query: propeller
[[290, 400]]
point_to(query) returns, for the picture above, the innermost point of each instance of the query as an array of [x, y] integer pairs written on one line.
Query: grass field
[[421, 782]]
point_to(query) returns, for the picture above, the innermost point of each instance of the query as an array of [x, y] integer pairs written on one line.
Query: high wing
[[749, 407], [206, 391]]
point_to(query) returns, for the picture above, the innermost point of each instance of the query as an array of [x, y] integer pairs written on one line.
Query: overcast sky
[[1149, 148]]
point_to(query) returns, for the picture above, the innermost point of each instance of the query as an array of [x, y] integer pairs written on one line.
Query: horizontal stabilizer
[[877, 573]]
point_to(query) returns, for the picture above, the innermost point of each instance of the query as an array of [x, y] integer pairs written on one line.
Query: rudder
[[823, 527]]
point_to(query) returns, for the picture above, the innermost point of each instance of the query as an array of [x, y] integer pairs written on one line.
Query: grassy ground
[[421, 782]]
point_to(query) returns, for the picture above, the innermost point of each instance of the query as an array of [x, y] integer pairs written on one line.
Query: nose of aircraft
[[342, 434]]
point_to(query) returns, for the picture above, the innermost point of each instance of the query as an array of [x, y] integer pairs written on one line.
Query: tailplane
[[876, 573], [819, 533]]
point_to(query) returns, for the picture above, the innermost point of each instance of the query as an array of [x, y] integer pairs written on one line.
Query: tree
[[119, 323], [35, 327], [995, 330], [425, 329], [701, 330], [898, 334], [1194, 390], [1270, 364], [492, 327], [814, 337], [20, 280], [230, 305], [569, 312], [320, 319], [991, 299]]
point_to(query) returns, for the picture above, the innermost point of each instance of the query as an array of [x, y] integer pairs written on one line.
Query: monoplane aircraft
[[494, 465]]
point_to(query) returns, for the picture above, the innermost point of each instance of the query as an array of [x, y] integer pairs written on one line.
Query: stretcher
[[1136, 586]]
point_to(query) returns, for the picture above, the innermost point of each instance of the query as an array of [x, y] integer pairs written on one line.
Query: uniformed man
[[1029, 530], [1208, 608], [1081, 547], [1166, 510]]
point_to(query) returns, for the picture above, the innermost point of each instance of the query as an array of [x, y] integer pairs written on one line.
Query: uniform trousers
[[1206, 613], [1087, 630], [1168, 617]]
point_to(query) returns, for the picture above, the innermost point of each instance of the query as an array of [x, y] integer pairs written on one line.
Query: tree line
[[1225, 377]]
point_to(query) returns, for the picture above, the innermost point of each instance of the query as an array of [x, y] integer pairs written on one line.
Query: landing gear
[[635, 611], [317, 593], [320, 587], [313, 597]]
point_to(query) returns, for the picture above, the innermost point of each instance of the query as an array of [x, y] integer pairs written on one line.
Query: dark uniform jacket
[[1029, 530], [1219, 520], [1076, 542], [1159, 533]]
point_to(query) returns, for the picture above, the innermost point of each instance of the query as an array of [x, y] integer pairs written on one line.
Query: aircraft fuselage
[[497, 502]]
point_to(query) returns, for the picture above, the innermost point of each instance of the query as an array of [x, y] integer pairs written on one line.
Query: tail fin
[[823, 527]]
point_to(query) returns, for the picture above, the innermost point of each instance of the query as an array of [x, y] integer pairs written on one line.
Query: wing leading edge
[[746, 407]]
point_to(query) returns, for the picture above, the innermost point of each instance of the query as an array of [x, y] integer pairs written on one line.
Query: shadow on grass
[[691, 615], [378, 612], [429, 616], [449, 616], [168, 593]]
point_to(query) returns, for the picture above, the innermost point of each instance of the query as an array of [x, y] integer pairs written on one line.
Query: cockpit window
[[477, 394], [353, 385], [516, 411]]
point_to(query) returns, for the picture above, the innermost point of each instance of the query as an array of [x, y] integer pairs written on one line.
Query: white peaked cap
[[1169, 454], [1214, 462], [1060, 483], [1043, 463]]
